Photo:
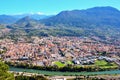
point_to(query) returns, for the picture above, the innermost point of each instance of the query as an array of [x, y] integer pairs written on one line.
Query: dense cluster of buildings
[[44, 51]]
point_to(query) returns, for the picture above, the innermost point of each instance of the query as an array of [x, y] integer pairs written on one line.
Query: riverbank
[[57, 73], [98, 77]]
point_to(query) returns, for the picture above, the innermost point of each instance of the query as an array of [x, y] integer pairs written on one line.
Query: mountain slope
[[97, 16], [10, 19], [5, 19], [26, 23]]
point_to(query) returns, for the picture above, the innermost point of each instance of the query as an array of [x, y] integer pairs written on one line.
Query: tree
[[4, 74]]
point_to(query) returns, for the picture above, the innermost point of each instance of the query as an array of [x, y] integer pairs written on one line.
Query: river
[[63, 73]]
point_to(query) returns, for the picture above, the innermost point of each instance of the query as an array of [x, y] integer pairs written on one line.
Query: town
[[50, 51]]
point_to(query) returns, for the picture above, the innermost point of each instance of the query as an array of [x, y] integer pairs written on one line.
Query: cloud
[[40, 13]]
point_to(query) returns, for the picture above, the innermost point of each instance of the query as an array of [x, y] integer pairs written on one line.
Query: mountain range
[[98, 21], [97, 16], [10, 19]]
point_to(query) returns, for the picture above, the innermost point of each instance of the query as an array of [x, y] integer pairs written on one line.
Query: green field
[[99, 63], [105, 64], [59, 64], [69, 62]]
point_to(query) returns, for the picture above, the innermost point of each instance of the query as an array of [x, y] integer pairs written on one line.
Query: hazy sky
[[51, 6]]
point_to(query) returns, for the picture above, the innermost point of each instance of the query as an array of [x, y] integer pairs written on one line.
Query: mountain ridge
[[99, 15], [10, 19]]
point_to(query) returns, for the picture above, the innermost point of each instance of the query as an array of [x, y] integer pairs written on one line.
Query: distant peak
[[108, 8], [27, 17]]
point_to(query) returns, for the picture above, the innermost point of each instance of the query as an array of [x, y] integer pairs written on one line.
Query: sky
[[49, 7]]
